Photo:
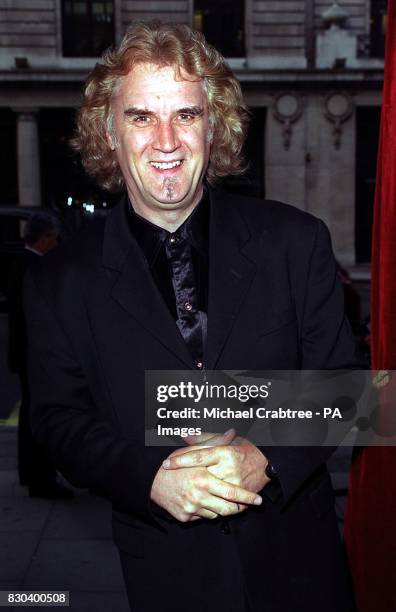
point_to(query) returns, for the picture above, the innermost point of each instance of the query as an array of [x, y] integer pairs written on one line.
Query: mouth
[[167, 165]]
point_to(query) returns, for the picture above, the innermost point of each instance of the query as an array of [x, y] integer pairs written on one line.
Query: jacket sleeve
[[326, 342], [86, 448]]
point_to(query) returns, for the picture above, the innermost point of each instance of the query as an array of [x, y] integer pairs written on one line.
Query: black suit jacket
[[97, 322]]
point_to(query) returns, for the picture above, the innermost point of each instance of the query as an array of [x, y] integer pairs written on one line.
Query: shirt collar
[[150, 237]]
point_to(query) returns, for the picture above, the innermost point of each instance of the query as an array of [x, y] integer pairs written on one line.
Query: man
[[35, 467], [183, 276]]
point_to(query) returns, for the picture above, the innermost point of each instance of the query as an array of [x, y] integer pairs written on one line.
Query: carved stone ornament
[[338, 107], [287, 108], [335, 15]]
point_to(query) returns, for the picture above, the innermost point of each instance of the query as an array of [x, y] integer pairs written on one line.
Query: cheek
[[135, 143], [127, 157], [195, 137], [198, 144]]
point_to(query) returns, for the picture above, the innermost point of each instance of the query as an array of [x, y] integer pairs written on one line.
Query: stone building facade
[[311, 71]]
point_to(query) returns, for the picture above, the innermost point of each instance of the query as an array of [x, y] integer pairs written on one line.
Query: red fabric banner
[[370, 525]]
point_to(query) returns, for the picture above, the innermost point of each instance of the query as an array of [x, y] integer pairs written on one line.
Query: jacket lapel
[[133, 287], [232, 267], [231, 271]]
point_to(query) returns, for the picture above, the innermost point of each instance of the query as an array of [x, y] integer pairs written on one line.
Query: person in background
[[35, 467]]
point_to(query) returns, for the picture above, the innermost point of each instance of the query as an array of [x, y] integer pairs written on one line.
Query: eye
[[141, 119], [186, 118]]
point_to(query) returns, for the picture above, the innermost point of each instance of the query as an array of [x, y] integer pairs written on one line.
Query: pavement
[[67, 545], [56, 545]]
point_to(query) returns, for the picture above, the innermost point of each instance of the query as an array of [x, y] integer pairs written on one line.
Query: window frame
[[237, 61], [60, 38]]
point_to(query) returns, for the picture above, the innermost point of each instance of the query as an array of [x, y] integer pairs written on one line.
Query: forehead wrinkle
[[153, 83]]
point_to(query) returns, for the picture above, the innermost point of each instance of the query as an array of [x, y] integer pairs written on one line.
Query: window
[[377, 28], [8, 157], [223, 24], [87, 27]]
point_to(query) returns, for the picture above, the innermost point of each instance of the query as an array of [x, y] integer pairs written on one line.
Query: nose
[[166, 137]]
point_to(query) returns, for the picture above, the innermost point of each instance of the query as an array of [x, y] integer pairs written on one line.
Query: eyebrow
[[133, 111], [196, 111]]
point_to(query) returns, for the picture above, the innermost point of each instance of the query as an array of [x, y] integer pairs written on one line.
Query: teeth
[[165, 165]]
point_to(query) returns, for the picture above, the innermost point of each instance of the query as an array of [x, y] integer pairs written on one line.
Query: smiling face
[[161, 138]]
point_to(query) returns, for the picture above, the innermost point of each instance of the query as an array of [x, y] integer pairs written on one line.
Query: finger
[[232, 492], [199, 457], [222, 507], [218, 471], [201, 439], [242, 507], [218, 506], [204, 513], [211, 439], [222, 439]]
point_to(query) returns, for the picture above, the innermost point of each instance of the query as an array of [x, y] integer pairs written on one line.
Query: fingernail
[[258, 501], [226, 433], [166, 463]]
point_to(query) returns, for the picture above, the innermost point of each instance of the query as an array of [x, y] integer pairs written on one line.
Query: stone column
[[330, 172], [29, 180]]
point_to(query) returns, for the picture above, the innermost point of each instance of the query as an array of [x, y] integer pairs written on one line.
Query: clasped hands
[[216, 475]]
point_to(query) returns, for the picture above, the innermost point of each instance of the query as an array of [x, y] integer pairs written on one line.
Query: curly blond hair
[[165, 45]]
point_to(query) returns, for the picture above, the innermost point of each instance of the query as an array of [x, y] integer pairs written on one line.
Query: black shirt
[[179, 264]]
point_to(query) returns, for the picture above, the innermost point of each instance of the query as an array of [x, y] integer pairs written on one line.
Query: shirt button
[[199, 365], [188, 306]]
